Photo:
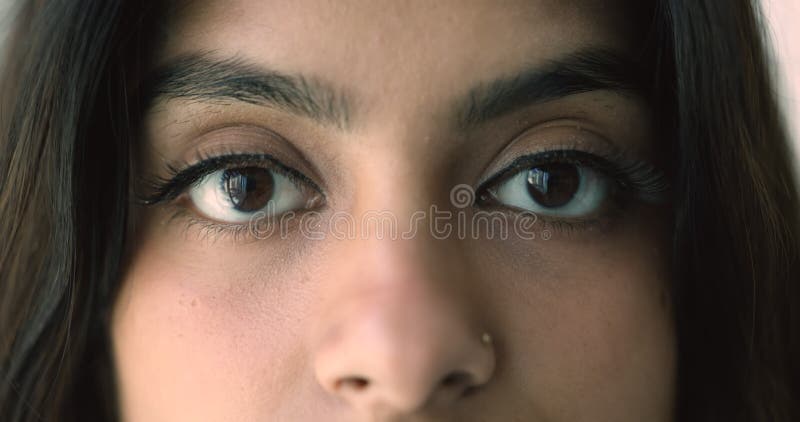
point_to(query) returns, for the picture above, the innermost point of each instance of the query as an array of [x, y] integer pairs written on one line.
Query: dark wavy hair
[[69, 114]]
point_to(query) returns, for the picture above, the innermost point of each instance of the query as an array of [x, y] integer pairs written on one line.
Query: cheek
[[210, 331], [194, 335], [590, 326]]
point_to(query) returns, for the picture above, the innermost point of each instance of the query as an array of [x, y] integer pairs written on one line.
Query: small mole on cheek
[[194, 302]]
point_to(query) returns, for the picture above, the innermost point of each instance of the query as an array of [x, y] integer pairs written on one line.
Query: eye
[[554, 189], [234, 195]]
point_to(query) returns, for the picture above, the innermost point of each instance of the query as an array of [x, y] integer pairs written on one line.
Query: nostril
[[456, 379], [354, 383]]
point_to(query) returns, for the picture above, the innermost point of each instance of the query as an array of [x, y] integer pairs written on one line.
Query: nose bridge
[[396, 281], [390, 217]]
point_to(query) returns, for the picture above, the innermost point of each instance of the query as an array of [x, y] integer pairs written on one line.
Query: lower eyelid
[[197, 226]]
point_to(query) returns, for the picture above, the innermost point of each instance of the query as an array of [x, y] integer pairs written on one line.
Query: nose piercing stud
[[486, 339]]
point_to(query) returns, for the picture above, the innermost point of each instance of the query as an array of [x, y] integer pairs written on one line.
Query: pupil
[[553, 185], [249, 189]]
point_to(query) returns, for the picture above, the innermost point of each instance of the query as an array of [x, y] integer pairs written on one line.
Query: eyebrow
[[202, 78], [579, 72]]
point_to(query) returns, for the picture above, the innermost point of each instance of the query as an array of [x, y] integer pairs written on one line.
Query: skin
[[216, 327]]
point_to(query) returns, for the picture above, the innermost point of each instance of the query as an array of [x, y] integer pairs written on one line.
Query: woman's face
[[399, 211]]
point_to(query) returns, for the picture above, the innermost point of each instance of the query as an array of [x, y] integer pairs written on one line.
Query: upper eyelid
[[639, 176], [184, 176], [597, 162], [230, 136]]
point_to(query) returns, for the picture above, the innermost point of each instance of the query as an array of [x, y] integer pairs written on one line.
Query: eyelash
[[184, 175], [633, 179]]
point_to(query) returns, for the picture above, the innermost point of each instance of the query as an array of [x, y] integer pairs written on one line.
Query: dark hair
[[70, 112]]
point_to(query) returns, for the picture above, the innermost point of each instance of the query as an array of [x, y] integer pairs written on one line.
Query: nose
[[397, 336]]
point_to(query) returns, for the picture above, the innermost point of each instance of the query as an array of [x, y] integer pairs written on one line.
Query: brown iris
[[250, 188], [553, 185]]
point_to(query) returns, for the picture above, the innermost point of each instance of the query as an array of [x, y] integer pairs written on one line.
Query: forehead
[[361, 39]]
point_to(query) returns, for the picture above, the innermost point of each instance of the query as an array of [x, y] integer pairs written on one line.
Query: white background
[[783, 17]]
